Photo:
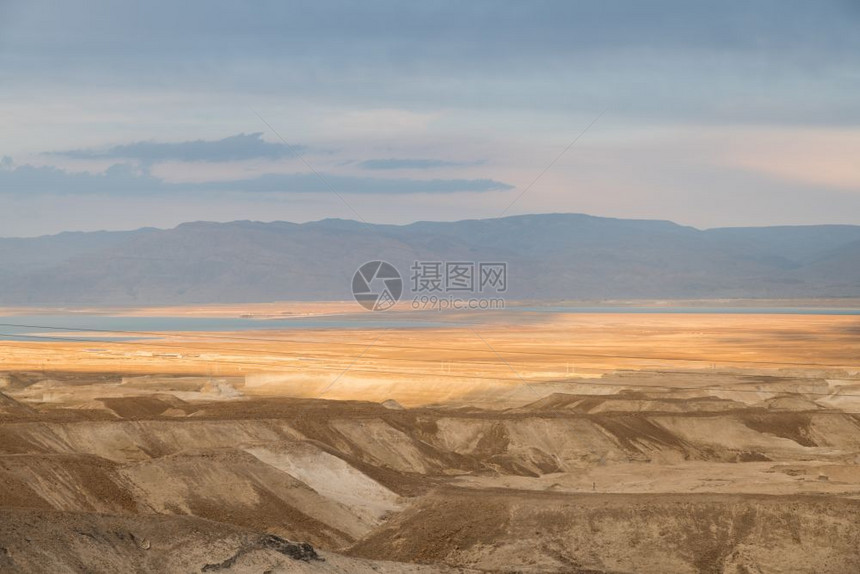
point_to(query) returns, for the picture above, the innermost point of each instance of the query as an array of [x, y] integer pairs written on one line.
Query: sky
[[119, 115]]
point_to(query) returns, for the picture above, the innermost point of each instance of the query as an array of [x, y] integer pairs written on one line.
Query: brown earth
[[743, 461]]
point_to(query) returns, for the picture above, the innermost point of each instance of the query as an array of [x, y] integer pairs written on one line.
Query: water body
[[82, 327]]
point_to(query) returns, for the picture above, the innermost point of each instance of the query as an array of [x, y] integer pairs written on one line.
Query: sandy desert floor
[[496, 442]]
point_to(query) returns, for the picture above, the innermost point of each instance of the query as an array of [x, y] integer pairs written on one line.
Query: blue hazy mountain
[[552, 256]]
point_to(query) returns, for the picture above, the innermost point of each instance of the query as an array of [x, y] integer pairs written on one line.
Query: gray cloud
[[233, 148], [784, 61], [306, 182], [25, 180], [383, 164], [122, 179]]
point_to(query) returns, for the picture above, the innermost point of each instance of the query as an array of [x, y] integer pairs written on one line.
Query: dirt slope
[[619, 481], [543, 532], [39, 541]]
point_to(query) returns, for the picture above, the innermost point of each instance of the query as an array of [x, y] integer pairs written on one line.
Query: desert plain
[[503, 441]]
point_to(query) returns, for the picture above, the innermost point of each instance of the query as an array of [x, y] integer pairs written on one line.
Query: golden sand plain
[[468, 355], [534, 346], [504, 441]]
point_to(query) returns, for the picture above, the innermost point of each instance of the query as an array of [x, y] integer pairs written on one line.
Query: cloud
[[412, 163], [306, 182], [24, 180], [716, 60], [123, 179], [234, 148]]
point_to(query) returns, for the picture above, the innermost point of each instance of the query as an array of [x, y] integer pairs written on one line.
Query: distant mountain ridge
[[570, 256]]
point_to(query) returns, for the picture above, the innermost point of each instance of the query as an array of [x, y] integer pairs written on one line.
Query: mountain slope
[[549, 256]]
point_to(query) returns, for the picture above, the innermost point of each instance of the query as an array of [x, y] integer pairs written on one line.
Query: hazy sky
[[118, 115]]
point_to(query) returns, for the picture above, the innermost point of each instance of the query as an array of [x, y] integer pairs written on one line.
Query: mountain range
[[550, 256]]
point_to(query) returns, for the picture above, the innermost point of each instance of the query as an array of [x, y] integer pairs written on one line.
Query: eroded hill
[[631, 481]]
